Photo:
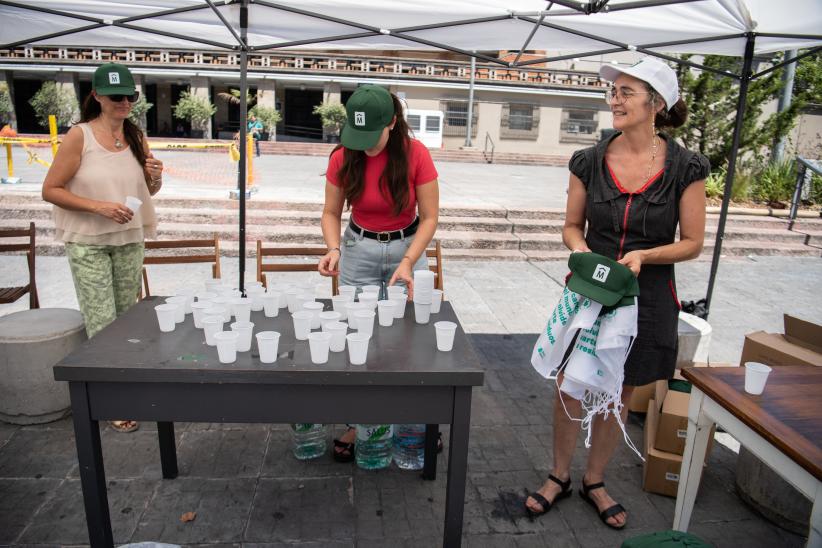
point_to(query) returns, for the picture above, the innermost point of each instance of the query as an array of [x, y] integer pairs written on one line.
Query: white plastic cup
[[436, 301], [371, 288], [423, 295], [226, 346], [291, 298], [230, 293], [370, 300], [133, 203], [423, 280], [445, 335], [328, 316], [301, 300], [198, 311], [338, 332], [204, 296], [244, 330], [340, 304], [180, 311], [364, 321], [213, 285], [422, 312], [281, 289], [318, 344], [255, 283], [255, 295], [357, 347], [224, 303], [220, 309], [302, 324], [241, 308], [166, 316], [212, 324], [348, 290], [395, 290], [756, 375], [268, 343], [315, 308], [271, 304], [399, 310], [385, 310], [188, 293]]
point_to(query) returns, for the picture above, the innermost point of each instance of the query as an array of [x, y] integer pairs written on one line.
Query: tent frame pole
[[729, 177], [241, 171]]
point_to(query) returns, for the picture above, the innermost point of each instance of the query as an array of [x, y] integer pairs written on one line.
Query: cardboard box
[[640, 398], [799, 345], [672, 427], [660, 472]]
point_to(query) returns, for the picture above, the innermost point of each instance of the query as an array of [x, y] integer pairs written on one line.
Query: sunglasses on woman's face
[[118, 98]]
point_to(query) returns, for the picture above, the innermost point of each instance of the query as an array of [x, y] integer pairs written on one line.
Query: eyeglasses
[[612, 95], [119, 97]]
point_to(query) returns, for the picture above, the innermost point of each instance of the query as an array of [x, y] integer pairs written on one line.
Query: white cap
[[660, 76]]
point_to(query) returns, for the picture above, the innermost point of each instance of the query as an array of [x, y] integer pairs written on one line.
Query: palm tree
[[233, 97]]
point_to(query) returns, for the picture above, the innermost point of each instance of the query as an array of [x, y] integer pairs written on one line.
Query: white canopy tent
[[740, 28]]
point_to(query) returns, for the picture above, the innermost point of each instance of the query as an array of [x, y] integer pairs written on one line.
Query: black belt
[[386, 237]]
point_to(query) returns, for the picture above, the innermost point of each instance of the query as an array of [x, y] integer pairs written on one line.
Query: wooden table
[[130, 369], [782, 426]]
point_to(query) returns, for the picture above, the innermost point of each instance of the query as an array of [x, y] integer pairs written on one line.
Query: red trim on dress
[[644, 187], [673, 292]]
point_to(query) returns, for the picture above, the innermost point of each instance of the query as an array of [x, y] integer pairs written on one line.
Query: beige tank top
[[110, 177]]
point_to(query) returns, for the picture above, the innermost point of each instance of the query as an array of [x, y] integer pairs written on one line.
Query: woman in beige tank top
[[103, 163]]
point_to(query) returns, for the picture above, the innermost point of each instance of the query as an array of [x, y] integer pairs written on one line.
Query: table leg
[[429, 471], [693, 458], [92, 473], [168, 449], [457, 467]]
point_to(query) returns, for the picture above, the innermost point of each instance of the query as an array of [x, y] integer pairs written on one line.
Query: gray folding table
[[132, 370]]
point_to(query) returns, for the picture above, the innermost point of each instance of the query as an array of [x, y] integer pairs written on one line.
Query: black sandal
[[347, 453], [608, 512], [542, 501]]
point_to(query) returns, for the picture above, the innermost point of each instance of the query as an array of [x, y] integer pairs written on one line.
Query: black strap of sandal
[[541, 500], [564, 485], [611, 512]]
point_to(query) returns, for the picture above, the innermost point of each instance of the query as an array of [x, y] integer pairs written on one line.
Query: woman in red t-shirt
[[389, 182]]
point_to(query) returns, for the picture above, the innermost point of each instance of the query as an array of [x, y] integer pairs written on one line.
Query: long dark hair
[[134, 136], [394, 179]]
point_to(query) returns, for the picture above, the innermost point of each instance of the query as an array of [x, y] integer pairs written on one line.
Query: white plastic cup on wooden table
[[268, 343]]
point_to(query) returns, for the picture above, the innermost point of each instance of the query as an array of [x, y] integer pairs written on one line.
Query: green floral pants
[[107, 280]]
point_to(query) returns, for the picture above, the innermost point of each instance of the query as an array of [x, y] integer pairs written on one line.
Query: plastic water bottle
[[409, 446], [309, 440], [373, 447]]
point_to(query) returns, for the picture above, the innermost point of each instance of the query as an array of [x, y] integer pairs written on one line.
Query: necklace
[[654, 150], [118, 144]]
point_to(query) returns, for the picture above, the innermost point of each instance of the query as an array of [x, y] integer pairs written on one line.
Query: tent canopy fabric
[[675, 26]]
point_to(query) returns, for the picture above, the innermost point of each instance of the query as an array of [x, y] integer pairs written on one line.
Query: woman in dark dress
[[626, 196]]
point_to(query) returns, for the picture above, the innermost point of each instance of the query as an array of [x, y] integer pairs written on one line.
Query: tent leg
[[241, 174], [729, 178]]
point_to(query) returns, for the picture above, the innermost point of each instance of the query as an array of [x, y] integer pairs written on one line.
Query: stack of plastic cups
[[423, 295]]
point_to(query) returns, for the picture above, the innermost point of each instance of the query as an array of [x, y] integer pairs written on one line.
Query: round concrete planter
[[31, 343]]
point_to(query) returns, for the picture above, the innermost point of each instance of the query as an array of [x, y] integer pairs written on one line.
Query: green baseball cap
[[369, 109], [601, 279], [113, 79]]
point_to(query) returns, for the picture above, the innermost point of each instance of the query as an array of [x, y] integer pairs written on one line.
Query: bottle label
[[303, 427], [374, 432]]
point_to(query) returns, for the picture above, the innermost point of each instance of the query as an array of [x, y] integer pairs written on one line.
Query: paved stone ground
[[248, 490]]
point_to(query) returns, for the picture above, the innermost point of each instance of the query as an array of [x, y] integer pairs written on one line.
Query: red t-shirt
[[373, 209]]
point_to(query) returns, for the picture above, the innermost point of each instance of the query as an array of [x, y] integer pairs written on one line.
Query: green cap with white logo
[[369, 110], [113, 79], [601, 279]]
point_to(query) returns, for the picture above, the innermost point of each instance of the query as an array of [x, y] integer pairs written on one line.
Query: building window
[[432, 124], [456, 118], [578, 125], [519, 121], [414, 122]]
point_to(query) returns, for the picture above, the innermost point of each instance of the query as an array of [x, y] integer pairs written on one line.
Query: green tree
[[268, 116], [57, 100], [138, 112], [6, 106], [195, 109], [332, 115], [232, 96], [712, 101]]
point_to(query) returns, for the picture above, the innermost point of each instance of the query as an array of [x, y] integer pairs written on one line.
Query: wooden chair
[[436, 254], [212, 256], [11, 294], [289, 266]]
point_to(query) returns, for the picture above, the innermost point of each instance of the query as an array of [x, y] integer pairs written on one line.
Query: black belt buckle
[[381, 235]]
